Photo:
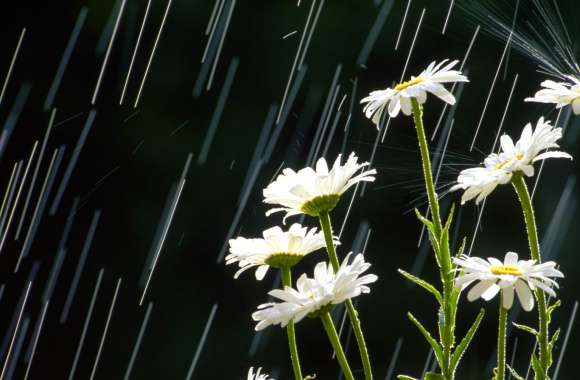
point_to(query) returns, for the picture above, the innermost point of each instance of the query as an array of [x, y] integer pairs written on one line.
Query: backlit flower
[[560, 93], [315, 294], [313, 191], [399, 98], [492, 276], [277, 249], [519, 157]]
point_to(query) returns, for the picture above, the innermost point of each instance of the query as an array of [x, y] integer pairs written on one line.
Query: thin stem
[[500, 374], [427, 172], [287, 281], [521, 189], [335, 341], [443, 254], [326, 226]]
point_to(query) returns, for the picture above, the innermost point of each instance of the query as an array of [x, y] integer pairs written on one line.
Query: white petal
[[525, 295], [507, 297]]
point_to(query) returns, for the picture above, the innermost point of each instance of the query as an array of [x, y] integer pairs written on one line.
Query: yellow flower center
[[506, 269], [518, 156], [412, 82]]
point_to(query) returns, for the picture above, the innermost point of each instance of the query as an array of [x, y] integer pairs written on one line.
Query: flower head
[[560, 93], [315, 294], [519, 157], [313, 191], [511, 274], [399, 97], [277, 249], [258, 375]]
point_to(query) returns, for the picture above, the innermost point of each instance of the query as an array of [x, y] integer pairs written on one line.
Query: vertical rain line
[[138, 341], [8, 191], [503, 54], [163, 237], [310, 33], [8, 201], [73, 161], [86, 324], [35, 173], [137, 44], [463, 62], [13, 116], [403, 24], [15, 330], [447, 17], [108, 53], [201, 342], [106, 329], [566, 337], [394, 358], [65, 59], [295, 63], [220, 46], [9, 222], [36, 337], [12, 62], [80, 266], [217, 114], [214, 25], [157, 38], [374, 33]]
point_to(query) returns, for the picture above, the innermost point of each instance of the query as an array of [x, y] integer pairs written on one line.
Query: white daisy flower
[[399, 97], [258, 375], [492, 275], [519, 157], [315, 295], [560, 93], [276, 249], [311, 191]]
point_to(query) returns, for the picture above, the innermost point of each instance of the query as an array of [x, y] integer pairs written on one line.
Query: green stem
[[500, 374], [427, 172], [443, 254], [287, 281], [335, 341], [326, 226], [521, 189]]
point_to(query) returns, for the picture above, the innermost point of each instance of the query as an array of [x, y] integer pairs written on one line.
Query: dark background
[[133, 157]]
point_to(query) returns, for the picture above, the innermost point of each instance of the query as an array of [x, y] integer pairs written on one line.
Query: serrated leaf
[[433, 376], [424, 284], [553, 307], [525, 328], [427, 335], [405, 377], [554, 338], [462, 347], [450, 217], [514, 374], [461, 247]]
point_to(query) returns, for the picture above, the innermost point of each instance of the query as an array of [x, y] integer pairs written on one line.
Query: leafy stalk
[[545, 359], [287, 281], [326, 225]]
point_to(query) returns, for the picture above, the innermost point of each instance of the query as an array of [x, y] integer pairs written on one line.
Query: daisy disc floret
[[511, 275], [316, 295], [399, 97], [559, 93], [513, 158], [314, 191], [258, 375], [277, 248]]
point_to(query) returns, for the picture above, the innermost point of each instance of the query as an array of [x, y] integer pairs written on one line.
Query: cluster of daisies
[[535, 144], [316, 191], [310, 192]]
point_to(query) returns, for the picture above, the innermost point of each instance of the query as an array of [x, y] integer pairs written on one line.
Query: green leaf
[[431, 229], [405, 377], [461, 247], [450, 217], [537, 367], [462, 347], [433, 376], [424, 284], [525, 328], [515, 375], [554, 338], [434, 344]]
